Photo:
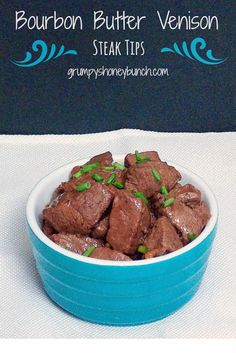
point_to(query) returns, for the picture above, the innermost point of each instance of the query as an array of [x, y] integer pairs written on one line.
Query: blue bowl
[[114, 292]]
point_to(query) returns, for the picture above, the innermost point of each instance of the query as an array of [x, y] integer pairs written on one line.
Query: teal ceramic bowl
[[113, 292]]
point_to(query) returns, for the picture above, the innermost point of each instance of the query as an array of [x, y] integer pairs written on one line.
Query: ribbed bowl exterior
[[121, 295]]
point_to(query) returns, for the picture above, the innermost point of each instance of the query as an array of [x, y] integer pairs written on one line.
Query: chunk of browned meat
[[75, 242], [100, 229], [105, 174], [103, 158], [130, 158], [203, 213], [63, 217], [129, 221], [140, 178], [78, 212], [186, 219], [162, 239], [187, 194], [88, 176], [109, 254]]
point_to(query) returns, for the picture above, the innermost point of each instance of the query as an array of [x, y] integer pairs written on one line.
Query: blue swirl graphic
[[193, 52], [46, 54]]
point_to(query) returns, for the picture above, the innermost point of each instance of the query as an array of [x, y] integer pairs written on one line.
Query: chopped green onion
[[117, 184], [168, 202], [111, 178], [163, 190], [137, 154], [118, 166], [142, 249], [156, 175], [89, 251], [141, 196], [88, 167], [139, 158], [97, 178], [110, 167], [85, 169], [78, 174], [191, 236], [82, 187]]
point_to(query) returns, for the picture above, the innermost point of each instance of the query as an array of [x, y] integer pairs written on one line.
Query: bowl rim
[[33, 224]]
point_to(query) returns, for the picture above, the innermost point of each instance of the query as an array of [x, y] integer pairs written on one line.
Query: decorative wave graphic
[[193, 52], [45, 54]]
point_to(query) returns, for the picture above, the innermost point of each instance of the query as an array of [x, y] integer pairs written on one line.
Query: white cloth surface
[[25, 309]]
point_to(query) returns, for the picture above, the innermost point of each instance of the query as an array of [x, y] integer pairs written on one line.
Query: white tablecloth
[[26, 311]]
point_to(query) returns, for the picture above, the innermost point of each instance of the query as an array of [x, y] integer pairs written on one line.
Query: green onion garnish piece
[[111, 178], [141, 196], [110, 167], [156, 175], [163, 190], [82, 187], [191, 236], [89, 251], [97, 178], [137, 154], [139, 158], [142, 249], [78, 174], [117, 184], [119, 166], [168, 202], [86, 168]]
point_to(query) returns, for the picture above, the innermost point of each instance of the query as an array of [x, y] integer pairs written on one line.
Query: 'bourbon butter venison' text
[[119, 21]]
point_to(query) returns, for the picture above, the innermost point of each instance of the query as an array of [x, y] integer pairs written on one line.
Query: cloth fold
[[26, 311]]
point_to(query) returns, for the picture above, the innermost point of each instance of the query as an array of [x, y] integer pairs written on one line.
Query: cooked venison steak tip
[[131, 159], [105, 159], [75, 242], [140, 177], [203, 212], [78, 212], [128, 223], [162, 239], [105, 253], [187, 194], [120, 175], [63, 217], [186, 219], [127, 213]]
